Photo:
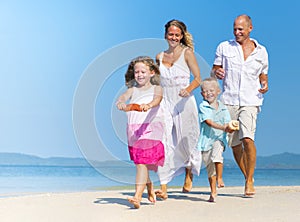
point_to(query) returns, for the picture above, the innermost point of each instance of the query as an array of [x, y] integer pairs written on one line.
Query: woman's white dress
[[181, 122]]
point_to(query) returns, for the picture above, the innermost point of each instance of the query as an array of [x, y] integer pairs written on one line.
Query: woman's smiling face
[[174, 35]]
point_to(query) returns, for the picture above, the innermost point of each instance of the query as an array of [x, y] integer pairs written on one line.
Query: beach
[[274, 203]]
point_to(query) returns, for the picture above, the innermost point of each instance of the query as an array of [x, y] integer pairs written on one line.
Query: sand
[[269, 204]]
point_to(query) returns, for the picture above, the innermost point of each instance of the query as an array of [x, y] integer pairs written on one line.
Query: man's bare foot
[[220, 183], [161, 194], [151, 193], [212, 198], [188, 182], [135, 202], [249, 188]]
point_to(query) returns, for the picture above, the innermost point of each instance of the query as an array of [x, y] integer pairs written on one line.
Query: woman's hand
[[184, 93]]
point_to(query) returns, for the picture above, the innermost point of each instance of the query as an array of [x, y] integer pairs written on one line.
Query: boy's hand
[[227, 129], [234, 125]]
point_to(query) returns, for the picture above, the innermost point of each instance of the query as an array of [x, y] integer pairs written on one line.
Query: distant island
[[19, 159], [277, 161]]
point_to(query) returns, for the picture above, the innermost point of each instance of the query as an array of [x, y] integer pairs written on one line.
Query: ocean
[[18, 180]]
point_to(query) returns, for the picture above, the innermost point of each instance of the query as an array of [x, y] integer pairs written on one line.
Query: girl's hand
[[145, 107], [121, 105]]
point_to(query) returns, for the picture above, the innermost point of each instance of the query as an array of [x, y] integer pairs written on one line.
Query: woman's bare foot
[[220, 183], [212, 198], [161, 194], [151, 193], [249, 188], [135, 202], [188, 182]]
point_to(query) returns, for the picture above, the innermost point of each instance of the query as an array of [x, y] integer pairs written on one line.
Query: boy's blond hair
[[211, 80]]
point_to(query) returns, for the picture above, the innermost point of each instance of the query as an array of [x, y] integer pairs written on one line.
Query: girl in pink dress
[[145, 124]]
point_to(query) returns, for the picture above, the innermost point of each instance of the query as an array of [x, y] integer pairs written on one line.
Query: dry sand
[[269, 204]]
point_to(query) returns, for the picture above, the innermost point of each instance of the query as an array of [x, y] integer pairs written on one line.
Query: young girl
[[145, 125]]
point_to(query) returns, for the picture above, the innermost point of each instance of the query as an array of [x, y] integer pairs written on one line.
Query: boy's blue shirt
[[209, 135]]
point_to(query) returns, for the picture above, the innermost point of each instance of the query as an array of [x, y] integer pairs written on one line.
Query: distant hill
[[278, 161], [24, 159]]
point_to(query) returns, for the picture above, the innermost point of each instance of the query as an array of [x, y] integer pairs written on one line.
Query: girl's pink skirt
[[149, 152]]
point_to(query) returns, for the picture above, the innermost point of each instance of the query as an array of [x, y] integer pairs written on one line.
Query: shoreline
[[270, 203], [121, 188]]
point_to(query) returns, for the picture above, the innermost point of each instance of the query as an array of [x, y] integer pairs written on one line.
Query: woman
[[181, 117]]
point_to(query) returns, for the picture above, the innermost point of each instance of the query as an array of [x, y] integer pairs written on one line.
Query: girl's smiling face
[[142, 74]]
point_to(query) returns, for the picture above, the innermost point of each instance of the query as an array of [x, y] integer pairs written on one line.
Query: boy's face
[[210, 92]]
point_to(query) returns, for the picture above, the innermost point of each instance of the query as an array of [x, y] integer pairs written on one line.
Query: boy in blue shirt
[[214, 118]]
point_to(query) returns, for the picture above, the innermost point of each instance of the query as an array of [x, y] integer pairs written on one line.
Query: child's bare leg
[[140, 184], [213, 190], [163, 192], [219, 171], [150, 190]]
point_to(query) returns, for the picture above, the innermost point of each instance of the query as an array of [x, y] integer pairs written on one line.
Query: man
[[242, 65]]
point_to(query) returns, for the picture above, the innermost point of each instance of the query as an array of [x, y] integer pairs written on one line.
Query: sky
[[63, 64]]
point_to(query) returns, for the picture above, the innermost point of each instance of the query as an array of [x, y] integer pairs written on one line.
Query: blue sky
[[47, 48]]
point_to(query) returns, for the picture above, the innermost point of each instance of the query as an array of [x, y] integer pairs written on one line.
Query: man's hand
[[219, 73], [263, 79], [264, 87]]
